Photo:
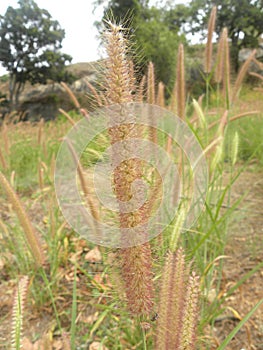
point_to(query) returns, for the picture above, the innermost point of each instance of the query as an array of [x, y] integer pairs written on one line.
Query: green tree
[[30, 43], [243, 18], [155, 38], [120, 8], [158, 43]]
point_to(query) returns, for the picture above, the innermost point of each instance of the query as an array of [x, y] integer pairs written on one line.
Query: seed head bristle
[[94, 93], [209, 44], [136, 270], [135, 261], [31, 235], [151, 84], [72, 122], [190, 315], [160, 95], [3, 161], [180, 83], [241, 75], [172, 293], [173, 104], [118, 74], [220, 59], [256, 75], [18, 313], [84, 186], [226, 69], [140, 93], [71, 95]]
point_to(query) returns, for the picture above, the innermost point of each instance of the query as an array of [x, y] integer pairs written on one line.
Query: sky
[[76, 17]]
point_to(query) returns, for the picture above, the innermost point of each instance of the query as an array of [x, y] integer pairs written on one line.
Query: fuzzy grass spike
[[135, 261], [31, 235]]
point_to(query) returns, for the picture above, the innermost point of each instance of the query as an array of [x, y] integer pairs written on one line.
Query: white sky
[[77, 18]]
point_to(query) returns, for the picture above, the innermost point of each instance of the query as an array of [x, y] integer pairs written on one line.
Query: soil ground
[[244, 250]]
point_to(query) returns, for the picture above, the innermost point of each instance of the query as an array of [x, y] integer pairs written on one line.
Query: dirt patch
[[245, 251]]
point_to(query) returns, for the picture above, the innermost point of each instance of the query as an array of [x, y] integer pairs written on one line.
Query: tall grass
[[142, 297]]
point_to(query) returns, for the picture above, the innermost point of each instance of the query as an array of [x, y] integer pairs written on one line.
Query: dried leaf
[[97, 346], [41, 344], [90, 319], [26, 344], [93, 255], [58, 344]]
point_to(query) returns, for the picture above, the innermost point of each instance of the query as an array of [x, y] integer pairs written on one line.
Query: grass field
[[60, 291]]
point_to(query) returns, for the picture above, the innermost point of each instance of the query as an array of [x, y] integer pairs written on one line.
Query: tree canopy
[[157, 29], [150, 29], [243, 18], [30, 43]]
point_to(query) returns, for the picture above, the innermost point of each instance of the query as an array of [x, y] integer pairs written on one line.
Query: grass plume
[[178, 305], [71, 95], [84, 186], [151, 100], [31, 235], [117, 79], [135, 261], [72, 122], [160, 95], [95, 94], [180, 83], [241, 75], [256, 75], [3, 161], [226, 69], [220, 59], [209, 44], [233, 118], [141, 90], [190, 314], [151, 84], [18, 311]]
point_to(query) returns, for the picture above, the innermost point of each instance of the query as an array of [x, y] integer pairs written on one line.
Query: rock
[[43, 101], [245, 53]]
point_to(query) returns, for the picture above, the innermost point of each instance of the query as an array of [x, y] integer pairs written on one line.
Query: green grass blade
[[237, 328], [215, 310], [47, 283]]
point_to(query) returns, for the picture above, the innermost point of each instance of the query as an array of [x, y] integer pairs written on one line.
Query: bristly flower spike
[[135, 261], [209, 44], [190, 315]]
